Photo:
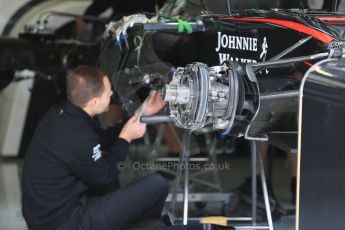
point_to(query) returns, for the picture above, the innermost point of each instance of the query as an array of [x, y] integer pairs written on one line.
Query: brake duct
[[219, 97]]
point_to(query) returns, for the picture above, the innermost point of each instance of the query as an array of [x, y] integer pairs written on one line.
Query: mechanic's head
[[90, 89]]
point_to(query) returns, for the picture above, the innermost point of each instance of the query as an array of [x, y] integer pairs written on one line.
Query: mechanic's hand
[[133, 129], [154, 104]]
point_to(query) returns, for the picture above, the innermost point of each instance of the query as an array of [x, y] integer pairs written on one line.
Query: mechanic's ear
[[94, 101], [97, 101]]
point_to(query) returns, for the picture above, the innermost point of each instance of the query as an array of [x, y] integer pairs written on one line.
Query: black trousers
[[143, 199]]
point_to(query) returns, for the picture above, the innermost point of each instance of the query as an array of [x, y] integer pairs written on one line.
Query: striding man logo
[[264, 50], [97, 153], [263, 54]]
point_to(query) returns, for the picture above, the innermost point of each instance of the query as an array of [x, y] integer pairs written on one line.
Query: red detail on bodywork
[[308, 64], [332, 19], [325, 38]]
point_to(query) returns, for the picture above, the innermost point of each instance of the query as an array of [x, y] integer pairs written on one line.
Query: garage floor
[[10, 211]]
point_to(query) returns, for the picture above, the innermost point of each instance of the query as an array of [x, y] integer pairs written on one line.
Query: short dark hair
[[84, 83]]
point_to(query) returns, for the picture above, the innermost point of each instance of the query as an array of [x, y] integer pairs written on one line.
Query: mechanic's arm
[[101, 171]]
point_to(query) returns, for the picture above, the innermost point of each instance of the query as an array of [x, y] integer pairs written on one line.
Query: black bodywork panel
[[322, 159]]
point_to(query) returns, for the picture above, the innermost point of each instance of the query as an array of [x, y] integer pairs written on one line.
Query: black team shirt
[[68, 155]]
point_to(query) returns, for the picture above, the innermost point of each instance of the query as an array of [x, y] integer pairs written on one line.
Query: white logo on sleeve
[[97, 153]]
